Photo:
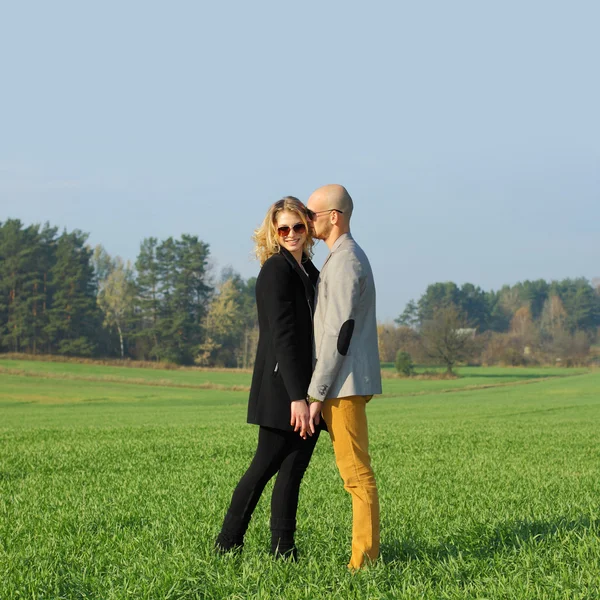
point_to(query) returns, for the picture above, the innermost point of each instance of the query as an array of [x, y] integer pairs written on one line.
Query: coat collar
[[343, 238], [310, 281], [290, 258]]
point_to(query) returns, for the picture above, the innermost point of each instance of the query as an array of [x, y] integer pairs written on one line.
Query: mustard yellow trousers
[[346, 420]]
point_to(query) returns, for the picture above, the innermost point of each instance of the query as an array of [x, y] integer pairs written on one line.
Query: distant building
[[467, 331]]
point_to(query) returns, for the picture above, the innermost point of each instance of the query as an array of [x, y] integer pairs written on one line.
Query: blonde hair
[[266, 238]]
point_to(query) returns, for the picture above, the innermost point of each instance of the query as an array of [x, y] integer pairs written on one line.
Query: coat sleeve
[[341, 304], [277, 294]]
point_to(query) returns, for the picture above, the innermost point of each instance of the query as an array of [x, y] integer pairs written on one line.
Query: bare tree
[[392, 338], [224, 328], [447, 337], [388, 340], [521, 324], [115, 297], [554, 317]]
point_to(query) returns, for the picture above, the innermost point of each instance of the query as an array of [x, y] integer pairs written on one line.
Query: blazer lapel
[[336, 245]]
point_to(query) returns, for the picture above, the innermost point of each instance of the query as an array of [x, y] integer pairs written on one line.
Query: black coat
[[284, 357]]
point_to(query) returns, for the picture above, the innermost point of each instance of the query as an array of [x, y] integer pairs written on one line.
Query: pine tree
[[182, 272], [147, 305], [581, 304], [74, 318], [24, 257], [40, 294]]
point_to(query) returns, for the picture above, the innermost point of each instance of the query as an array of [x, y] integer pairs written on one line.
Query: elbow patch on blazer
[[345, 336]]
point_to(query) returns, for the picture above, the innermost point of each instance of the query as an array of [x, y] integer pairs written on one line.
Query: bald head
[[332, 196], [333, 207]]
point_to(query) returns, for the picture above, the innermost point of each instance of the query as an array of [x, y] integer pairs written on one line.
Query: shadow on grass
[[485, 541]]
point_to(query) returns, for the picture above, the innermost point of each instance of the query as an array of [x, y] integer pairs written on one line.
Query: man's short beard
[[326, 231]]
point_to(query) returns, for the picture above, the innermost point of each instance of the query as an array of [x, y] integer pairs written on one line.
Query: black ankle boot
[[285, 551], [231, 536], [282, 539], [224, 544]]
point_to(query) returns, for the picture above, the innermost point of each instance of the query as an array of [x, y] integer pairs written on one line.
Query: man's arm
[[343, 297]]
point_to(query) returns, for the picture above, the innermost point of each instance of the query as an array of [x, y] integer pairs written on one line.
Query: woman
[[282, 371]]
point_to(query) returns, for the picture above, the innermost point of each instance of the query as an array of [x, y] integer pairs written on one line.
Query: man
[[347, 370]]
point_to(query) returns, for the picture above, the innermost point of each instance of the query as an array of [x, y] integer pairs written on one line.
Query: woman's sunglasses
[[284, 230]]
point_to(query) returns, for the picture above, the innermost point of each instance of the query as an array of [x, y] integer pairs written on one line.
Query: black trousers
[[288, 455]]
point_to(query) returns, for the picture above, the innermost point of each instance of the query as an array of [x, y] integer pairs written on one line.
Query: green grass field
[[113, 483]]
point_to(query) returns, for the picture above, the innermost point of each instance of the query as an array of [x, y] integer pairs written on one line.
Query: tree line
[[60, 296], [531, 322]]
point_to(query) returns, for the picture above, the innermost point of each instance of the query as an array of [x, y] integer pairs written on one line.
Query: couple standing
[[301, 380]]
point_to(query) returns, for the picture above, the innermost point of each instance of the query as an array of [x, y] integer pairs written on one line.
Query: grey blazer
[[345, 326]]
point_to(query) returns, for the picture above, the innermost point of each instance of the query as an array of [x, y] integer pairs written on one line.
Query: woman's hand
[[300, 417]]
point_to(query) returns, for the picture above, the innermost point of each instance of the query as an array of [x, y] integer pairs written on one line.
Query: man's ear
[[334, 216]]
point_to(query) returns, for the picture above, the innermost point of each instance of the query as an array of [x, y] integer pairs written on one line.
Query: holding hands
[[300, 418], [304, 417]]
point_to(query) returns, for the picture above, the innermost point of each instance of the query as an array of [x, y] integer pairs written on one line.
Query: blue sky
[[468, 133]]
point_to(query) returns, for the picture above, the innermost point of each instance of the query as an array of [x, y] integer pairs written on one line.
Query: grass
[[182, 377], [116, 489]]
